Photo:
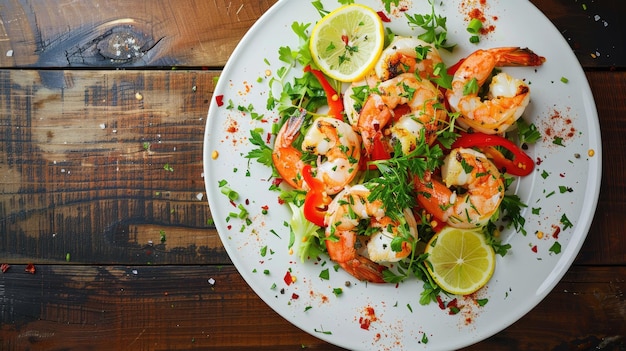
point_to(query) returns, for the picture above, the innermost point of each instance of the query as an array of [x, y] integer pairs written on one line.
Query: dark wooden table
[[102, 197]]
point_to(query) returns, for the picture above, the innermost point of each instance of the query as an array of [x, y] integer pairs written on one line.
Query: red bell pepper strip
[[520, 165], [335, 103], [378, 152], [316, 201]]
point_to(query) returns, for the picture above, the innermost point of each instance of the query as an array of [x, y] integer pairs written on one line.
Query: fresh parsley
[[433, 25]]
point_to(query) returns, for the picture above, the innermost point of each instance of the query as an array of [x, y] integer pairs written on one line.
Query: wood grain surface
[[102, 114]]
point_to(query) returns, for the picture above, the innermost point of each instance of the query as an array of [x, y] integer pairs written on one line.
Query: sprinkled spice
[[30, 268]]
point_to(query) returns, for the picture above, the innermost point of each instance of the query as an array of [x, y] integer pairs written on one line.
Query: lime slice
[[346, 43], [461, 260]]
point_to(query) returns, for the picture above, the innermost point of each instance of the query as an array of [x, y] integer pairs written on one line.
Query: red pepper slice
[[520, 165], [316, 201], [335, 103], [379, 152]]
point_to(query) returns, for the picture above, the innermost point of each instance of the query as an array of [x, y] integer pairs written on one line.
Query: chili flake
[[219, 99], [288, 278], [30, 268], [383, 16]]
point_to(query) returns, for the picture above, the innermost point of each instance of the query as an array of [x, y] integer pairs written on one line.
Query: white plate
[[522, 278]]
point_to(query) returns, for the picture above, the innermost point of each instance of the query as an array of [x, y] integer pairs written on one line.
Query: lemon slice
[[461, 260], [346, 43]]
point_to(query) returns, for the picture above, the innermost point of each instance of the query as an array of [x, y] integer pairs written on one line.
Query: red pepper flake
[[440, 303], [268, 138], [365, 323], [30, 268], [294, 296], [220, 100], [453, 307], [534, 249], [345, 39], [557, 230], [383, 16], [370, 316], [233, 128], [288, 280], [559, 125], [5, 267]]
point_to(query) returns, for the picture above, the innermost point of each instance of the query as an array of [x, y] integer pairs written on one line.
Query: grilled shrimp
[[507, 98], [404, 92], [359, 234], [482, 190], [337, 145]]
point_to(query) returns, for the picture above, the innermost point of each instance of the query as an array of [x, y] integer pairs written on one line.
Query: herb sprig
[[395, 184], [434, 26]]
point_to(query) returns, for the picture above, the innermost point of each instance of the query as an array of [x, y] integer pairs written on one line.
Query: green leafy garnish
[[395, 184], [527, 132], [262, 153], [434, 27]]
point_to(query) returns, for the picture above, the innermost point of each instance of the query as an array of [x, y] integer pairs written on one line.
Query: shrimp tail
[[286, 157], [343, 252], [364, 269], [292, 127], [516, 56]]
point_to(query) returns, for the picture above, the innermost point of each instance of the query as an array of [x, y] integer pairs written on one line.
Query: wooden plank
[[138, 307], [64, 33], [106, 167], [604, 244]]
